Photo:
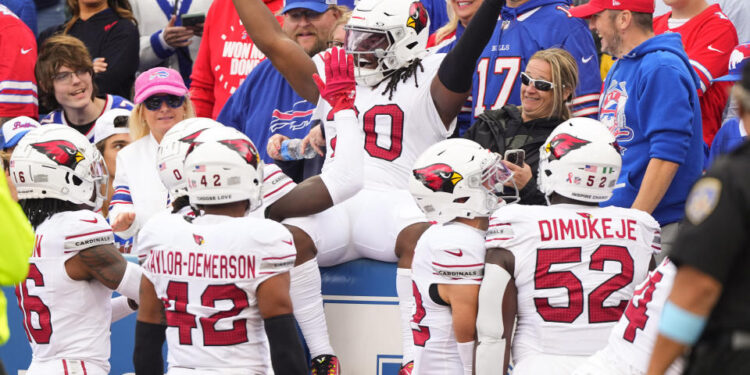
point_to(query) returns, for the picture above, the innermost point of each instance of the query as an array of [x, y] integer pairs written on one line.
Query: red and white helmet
[[172, 151], [580, 160], [385, 35], [56, 161], [458, 178], [223, 166]]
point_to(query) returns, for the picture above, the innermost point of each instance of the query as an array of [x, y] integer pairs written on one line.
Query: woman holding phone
[[547, 86]]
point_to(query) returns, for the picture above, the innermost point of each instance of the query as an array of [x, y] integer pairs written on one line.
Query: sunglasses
[[539, 84], [153, 103]]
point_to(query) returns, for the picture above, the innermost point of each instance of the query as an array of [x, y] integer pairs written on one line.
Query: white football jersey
[[397, 130], [452, 253], [206, 271], [65, 318], [633, 337], [576, 268]]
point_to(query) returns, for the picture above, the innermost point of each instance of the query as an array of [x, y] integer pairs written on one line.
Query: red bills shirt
[[709, 39]]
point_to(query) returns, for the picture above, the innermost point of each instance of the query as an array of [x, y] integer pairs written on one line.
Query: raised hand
[[339, 89]]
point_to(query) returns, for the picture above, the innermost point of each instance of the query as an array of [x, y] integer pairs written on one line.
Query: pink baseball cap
[[158, 81], [595, 6]]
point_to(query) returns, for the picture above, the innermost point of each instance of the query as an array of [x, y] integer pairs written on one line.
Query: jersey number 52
[[598, 313]]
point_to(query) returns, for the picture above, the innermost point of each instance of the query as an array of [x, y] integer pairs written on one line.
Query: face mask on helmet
[[580, 160], [223, 166], [458, 178], [385, 35], [56, 161], [172, 151]]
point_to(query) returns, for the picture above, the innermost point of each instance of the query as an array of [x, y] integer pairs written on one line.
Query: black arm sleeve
[[456, 70], [149, 338], [287, 356]]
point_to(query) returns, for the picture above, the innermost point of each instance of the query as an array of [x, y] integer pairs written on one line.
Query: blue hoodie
[[650, 102]]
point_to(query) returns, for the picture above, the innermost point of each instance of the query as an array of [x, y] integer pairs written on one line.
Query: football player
[[66, 299], [572, 265], [406, 101], [457, 183], [219, 280], [632, 339], [339, 89]]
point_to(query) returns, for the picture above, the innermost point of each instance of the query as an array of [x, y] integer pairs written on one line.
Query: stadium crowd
[[541, 173]]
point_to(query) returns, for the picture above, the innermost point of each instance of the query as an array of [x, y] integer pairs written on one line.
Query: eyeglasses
[[297, 14], [335, 43], [67, 77], [153, 103], [539, 84]]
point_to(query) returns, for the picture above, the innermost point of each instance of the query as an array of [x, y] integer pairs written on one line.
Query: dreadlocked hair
[[401, 74], [40, 209], [180, 203]]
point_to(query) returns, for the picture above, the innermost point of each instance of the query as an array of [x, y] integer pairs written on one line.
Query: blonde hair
[[449, 27], [564, 76], [137, 123]]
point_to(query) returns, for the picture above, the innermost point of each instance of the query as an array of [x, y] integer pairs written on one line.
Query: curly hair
[[39, 210]]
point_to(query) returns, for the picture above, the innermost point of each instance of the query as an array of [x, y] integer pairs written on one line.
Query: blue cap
[[737, 60], [319, 6]]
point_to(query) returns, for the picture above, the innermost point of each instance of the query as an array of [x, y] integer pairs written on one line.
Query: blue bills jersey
[[522, 31]]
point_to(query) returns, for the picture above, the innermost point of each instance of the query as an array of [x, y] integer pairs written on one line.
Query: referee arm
[[695, 292]]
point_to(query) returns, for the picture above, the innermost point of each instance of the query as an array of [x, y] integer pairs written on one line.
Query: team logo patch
[[158, 74], [564, 143], [418, 17], [190, 138], [612, 113], [702, 200], [245, 148], [61, 152], [198, 239], [438, 177]]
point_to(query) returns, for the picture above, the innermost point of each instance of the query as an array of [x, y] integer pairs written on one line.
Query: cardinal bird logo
[[417, 17], [190, 138], [198, 239], [61, 152], [245, 148], [564, 143], [438, 177]]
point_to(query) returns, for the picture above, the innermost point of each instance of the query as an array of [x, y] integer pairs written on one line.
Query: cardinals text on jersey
[[65, 318], [575, 268]]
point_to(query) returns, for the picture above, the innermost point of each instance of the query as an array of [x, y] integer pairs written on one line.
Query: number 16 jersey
[[575, 269]]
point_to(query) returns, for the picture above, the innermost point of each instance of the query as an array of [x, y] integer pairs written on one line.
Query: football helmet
[[56, 161], [458, 178], [223, 166], [172, 150], [385, 35], [580, 160]]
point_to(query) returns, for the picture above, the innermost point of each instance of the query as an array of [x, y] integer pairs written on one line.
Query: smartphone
[[192, 20], [516, 157]]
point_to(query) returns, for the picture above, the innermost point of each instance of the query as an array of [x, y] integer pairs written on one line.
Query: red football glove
[[339, 90]]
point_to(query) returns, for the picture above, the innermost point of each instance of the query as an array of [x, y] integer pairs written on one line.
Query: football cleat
[[406, 369], [325, 364]]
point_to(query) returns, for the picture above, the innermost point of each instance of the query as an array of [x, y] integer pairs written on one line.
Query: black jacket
[[503, 129], [116, 39]]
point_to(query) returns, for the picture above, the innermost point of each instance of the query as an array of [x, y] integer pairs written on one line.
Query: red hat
[[596, 6]]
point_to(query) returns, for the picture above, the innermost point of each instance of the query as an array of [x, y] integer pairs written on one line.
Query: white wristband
[[131, 282]]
